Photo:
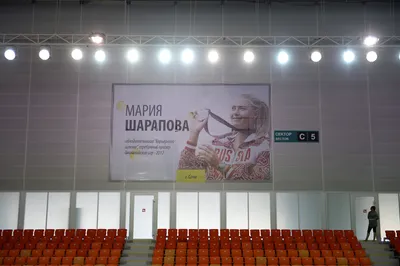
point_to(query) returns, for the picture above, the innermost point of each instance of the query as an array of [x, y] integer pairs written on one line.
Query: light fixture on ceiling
[[97, 38]]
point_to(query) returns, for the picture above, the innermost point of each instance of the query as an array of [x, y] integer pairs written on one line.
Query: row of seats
[[72, 265], [259, 245], [56, 239], [392, 233], [287, 239], [259, 261], [258, 253], [254, 232], [58, 260], [394, 238], [116, 244], [64, 232], [61, 253]]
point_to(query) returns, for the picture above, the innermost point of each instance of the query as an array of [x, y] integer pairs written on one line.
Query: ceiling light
[[10, 53], [371, 40], [348, 56], [77, 54], [44, 53], [248, 57], [164, 56], [316, 56], [132, 56], [283, 58], [97, 38], [187, 56], [372, 56], [100, 56], [213, 56]]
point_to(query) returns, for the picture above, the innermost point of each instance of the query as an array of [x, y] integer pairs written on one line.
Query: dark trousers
[[373, 228]]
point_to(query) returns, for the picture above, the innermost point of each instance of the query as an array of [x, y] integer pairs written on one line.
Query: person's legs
[[368, 232], [374, 230]]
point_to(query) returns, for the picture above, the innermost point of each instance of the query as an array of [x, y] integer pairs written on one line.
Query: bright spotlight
[[132, 56], [213, 56], [187, 56], [316, 56], [371, 40], [100, 56], [283, 57], [44, 53], [164, 56], [348, 56], [10, 54], [77, 54], [97, 38], [372, 56], [248, 57]]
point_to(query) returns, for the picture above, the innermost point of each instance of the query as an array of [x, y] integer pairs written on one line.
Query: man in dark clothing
[[373, 218]]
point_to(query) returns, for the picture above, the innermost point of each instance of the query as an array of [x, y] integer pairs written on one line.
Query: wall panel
[[70, 102]]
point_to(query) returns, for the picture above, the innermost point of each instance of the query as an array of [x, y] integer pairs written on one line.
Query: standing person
[[373, 218], [242, 153]]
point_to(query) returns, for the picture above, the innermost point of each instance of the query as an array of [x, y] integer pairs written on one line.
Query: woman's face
[[243, 115]]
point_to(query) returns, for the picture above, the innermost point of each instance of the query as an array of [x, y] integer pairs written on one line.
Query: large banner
[[191, 133]]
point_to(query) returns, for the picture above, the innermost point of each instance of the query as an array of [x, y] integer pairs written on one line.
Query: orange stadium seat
[[270, 253], [14, 253], [8, 260], [307, 261], [319, 261], [261, 261], [214, 252], [67, 260], [32, 261], [90, 260], [273, 261], [353, 261], [180, 261], [20, 260], [79, 261], [44, 260], [296, 261], [113, 260]]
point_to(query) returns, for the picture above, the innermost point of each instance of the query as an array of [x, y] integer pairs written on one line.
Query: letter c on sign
[[302, 136]]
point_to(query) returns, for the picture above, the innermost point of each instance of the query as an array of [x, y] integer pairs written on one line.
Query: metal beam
[[200, 41]]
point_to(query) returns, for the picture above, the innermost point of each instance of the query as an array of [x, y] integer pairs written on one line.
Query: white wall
[[208, 210]]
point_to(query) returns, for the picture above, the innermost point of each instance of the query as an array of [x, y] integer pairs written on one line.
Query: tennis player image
[[243, 153]]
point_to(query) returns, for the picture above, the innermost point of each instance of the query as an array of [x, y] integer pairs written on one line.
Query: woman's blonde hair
[[262, 120]]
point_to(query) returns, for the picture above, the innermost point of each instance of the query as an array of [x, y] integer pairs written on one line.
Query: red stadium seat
[[55, 260], [307, 261], [39, 233], [275, 232], [112, 233], [59, 233], [296, 261], [81, 232], [67, 260], [13, 253], [265, 232], [8, 260], [32, 261], [113, 260], [20, 260]]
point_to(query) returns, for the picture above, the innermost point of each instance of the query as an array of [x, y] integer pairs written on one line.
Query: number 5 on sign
[[191, 176]]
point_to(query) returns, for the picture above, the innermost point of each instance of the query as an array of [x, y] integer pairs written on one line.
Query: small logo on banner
[[121, 105], [365, 211], [191, 176], [143, 210]]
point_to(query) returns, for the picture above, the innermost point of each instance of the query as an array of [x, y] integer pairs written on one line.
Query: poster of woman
[[160, 131]]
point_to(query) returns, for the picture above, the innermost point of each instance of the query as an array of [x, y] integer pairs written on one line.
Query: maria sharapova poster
[[221, 131]]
